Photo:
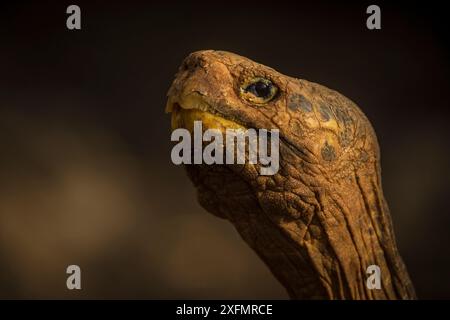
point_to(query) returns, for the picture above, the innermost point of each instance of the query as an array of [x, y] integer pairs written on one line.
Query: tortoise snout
[[195, 60]]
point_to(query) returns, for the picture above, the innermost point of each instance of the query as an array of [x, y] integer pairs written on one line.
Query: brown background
[[85, 170]]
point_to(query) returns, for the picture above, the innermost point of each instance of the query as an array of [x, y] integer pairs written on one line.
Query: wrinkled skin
[[322, 219]]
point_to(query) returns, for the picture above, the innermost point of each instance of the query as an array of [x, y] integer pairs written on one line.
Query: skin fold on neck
[[324, 252]]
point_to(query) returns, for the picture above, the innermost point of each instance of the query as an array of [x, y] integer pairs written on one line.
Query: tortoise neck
[[329, 254]]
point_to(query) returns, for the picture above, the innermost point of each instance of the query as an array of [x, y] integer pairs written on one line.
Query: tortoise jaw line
[[191, 106], [185, 118], [192, 100]]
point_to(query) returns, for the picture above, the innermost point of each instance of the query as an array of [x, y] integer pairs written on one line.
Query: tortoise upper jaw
[[187, 108], [191, 100]]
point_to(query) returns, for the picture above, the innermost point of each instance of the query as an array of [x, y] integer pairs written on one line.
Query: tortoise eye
[[259, 90]]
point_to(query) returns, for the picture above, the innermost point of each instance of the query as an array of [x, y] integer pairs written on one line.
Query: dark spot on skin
[[344, 121], [325, 112], [296, 128], [342, 116], [328, 153], [297, 101], [344, 138], [364, 156], [315, 231]]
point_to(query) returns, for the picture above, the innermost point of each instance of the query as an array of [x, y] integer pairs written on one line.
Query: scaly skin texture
[[322, 219]]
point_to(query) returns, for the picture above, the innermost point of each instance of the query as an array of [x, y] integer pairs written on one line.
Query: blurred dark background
[[85, 170]]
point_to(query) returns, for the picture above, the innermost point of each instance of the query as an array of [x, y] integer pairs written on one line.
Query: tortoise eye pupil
[[260, 89]]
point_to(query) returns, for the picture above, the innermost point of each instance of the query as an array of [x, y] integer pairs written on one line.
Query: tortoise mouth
[[185, 118], [187, 109], [214, 139]]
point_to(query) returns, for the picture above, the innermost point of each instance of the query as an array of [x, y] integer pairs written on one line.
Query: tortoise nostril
[[184, 66], [188, 65], [193, 61]]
